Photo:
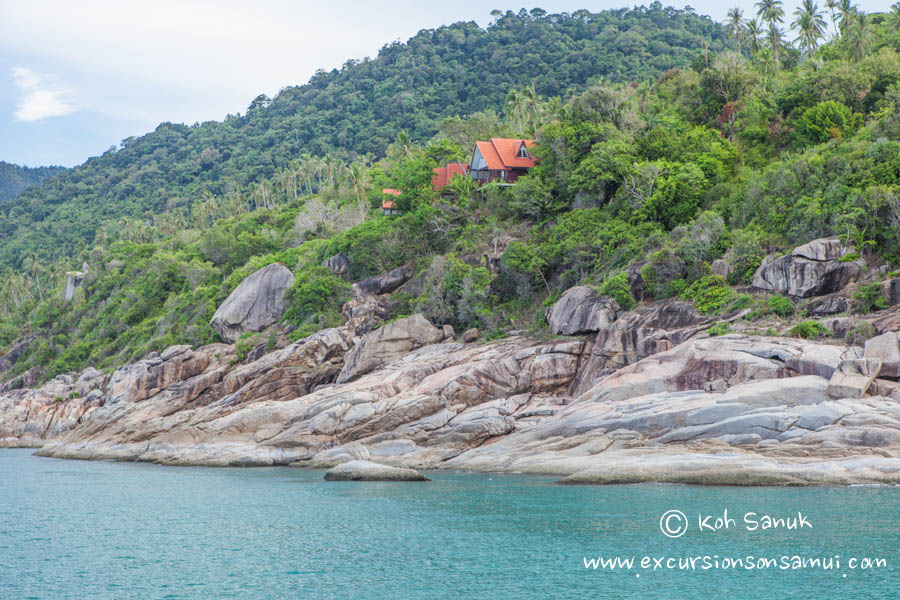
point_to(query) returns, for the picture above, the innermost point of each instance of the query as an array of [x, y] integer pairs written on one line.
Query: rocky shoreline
[[638, 396]]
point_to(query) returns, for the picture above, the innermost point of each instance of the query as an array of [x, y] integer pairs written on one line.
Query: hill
[[15, 179], [458, 69]]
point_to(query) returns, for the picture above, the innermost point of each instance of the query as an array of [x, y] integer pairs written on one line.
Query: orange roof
[[390, 191], [387, 204], [500, 154], [443, 175]]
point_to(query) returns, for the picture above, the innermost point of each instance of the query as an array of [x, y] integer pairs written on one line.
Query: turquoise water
[[71, 529]]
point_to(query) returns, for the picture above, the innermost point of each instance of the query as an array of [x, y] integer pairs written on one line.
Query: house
[[501, 159], [387, 205], [443, 175]]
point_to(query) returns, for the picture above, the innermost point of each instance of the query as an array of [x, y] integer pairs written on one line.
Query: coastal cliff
[[641, 395]]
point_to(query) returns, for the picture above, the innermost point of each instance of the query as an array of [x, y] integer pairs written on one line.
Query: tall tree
[[772, 13], [810, 25], [754, 34], [734, 24], [857, 27], [831, 5]]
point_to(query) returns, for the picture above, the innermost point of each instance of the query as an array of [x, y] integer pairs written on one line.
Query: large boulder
[[581, 310], [339, 264], [853, 377], [885, 348], [813, 269], [255, 304], [387, 344], [383, 284], [364, 470], [891, 290]]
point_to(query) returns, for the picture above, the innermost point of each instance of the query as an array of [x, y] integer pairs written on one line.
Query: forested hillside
[[14, 179], [454, 70], [752, 146]]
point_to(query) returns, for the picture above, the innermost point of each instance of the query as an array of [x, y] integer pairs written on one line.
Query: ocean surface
[[72, 529]]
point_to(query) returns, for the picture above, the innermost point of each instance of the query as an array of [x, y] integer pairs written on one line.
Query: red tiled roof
[[443, 175], [390, 191], [500, 154], [389, 204]]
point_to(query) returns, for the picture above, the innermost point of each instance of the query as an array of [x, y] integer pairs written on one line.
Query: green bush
[[709, 293], [720, 328], [617, 287], [316, 291], [780, 305], [869, 298], [810, 330]]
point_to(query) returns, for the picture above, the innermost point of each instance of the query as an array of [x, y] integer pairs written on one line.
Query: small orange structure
[[501, 159], [443, 175], [387, 205]]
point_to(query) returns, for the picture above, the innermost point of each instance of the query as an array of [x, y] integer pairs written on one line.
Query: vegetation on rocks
[[689, 143]]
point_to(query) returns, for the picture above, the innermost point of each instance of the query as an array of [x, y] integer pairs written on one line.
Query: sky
[[78, 77]]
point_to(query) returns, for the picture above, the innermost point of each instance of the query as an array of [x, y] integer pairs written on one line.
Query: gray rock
[[449, 333], [813, 269], [73, 281], [891, 291], [382, 284], [339, 263], [364, 470], [853, 377], [720, 267], [885, 348], [581, 310], [388, 343], [470, 335], [828, 306], [255, 304]]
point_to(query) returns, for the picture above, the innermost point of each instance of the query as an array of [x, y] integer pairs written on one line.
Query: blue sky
[[78, 77]]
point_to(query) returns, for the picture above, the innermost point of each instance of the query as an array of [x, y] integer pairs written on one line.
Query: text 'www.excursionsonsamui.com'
[[712, 562]]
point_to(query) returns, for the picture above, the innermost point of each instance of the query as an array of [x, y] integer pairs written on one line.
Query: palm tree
[[772, 13], [809, 24], [857, 34], [734, 24], [515, 108], [894, 17], [831, 5], [754, 34], [846, 9]]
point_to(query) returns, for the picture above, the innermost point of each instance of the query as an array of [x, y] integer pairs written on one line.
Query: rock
[[387, 344], [415, 287], [255, 304], [828, 306], [449, 333], [636, 281], [382, 284], [73, 281], [364, 470], [885, 348], [470, 335], [581, 310], [853, 377], [364, 314], [720, 267], [339, 264], [813, 269], [891, 290]]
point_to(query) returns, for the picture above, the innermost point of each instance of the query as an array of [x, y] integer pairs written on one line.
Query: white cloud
[[40, 97]]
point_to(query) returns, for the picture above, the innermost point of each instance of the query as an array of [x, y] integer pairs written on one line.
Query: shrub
[[861, 332], [710, 293], [870, 298], [780, 305], [720, 328], [617, 287], [810, 330], [315, 291]]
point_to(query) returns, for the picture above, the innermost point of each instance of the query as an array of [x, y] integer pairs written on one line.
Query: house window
[[523, 153]]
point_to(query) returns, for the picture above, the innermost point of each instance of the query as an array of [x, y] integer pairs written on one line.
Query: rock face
[[255, 304], [649, 399], [73, 280], [364, 470], [813, 269], [581, 310], [383, 284], [853, 377], [339, 263], [387, 344], [885, 348]]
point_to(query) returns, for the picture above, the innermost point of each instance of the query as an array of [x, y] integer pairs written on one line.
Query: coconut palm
[[754, 34], [857, 34], [772, 13], [810, 25], [894, 17], [734, 24], [846, 10], [831, 5]]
